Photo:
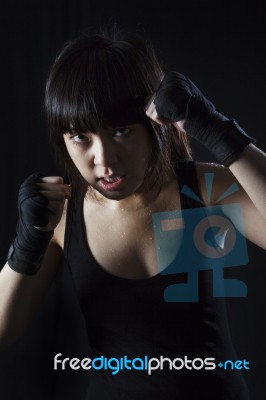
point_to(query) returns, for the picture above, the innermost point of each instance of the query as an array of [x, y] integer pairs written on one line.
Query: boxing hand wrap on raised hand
[[177, 98], [30, 244]]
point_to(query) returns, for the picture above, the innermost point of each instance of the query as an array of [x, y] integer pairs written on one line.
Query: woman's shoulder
[[205, 167], [214, 180]]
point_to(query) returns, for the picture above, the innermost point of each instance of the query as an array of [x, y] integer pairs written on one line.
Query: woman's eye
[[120, 132], [79, 139]]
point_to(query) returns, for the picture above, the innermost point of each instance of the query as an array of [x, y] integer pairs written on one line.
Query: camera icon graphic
[[197, 239]]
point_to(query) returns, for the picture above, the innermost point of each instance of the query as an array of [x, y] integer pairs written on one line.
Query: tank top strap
[[71, 205], [187, 179]]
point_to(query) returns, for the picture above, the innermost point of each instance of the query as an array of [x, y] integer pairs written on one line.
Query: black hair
[[104, 80]]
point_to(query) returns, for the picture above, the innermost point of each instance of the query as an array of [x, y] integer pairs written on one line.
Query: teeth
[[113, 179]]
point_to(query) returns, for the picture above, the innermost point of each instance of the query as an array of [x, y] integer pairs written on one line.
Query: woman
[[129, 162]]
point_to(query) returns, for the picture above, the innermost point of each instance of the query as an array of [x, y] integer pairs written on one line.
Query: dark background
[[221, 47]]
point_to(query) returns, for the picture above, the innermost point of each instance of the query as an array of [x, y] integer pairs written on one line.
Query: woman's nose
[[104, 152]]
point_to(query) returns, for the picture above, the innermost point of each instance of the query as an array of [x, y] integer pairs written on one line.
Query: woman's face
[[112, 160]]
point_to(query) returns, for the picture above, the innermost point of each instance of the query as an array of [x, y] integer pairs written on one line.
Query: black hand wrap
[[177, 98], [30, 244]]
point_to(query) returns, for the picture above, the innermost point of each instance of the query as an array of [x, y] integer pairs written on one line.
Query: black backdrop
[[219, 45]]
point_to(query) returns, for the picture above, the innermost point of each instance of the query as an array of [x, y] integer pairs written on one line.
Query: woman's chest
[[123, 245], [123, 242]]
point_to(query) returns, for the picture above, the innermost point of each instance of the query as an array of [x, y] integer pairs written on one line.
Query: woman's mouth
[[111, 182]]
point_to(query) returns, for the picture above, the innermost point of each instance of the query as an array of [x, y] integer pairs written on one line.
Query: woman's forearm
[[250, 170]]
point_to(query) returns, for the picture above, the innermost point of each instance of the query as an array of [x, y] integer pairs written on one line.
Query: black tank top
[[128, 317]]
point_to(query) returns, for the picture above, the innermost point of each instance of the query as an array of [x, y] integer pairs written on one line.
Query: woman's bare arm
[[252, 224], [21, 294], [249, 168]]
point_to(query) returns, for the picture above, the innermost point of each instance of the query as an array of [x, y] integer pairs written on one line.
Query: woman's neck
[[139, 200]]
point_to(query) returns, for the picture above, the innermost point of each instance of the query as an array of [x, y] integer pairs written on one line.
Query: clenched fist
[[40, 205]]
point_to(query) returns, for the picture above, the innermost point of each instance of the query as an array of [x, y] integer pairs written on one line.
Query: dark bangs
[[96, 82]]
